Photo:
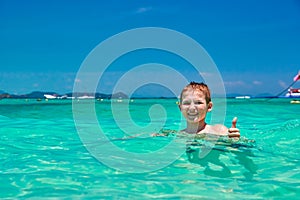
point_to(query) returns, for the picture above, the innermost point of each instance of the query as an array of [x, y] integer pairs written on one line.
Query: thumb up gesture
[[234, 132]]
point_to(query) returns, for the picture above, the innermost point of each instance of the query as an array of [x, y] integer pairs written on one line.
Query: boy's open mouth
[[192, 114]]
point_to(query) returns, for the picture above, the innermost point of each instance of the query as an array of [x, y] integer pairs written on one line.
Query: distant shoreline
[[119, 95]]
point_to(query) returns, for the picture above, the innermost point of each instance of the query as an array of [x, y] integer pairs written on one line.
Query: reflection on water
[[221, 159]]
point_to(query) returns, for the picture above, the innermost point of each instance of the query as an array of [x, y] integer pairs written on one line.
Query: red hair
[[194, 86]]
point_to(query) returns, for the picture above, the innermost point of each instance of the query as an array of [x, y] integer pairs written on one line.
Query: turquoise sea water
[[42, 154]]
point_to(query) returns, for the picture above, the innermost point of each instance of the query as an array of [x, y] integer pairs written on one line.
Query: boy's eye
[[190, 102], [186, 103], [198, 102]]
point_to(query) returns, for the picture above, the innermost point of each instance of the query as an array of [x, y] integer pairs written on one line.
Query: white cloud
[[234, 83], [257, 82], [282, 84], [143, 10]]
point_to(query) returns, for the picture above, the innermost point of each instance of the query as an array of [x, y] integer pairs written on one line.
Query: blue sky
[[255, 44]]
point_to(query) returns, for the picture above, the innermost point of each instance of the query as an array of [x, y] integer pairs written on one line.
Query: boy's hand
[[234, 132]]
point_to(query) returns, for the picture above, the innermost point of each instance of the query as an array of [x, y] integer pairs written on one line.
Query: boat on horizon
[[293, 92], [55, 96], [86, 97], [50, 96], [243, 97]]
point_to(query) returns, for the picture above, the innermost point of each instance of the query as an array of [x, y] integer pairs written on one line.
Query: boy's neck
[[195, 127]]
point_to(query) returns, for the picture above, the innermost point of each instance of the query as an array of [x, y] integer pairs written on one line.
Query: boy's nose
[[192, 106]]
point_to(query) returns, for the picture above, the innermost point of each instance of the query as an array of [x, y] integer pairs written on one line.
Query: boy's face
[[193, 106]]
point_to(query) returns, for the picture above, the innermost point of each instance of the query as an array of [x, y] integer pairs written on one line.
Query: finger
[[232, 130], [234, 122], [234, 134]]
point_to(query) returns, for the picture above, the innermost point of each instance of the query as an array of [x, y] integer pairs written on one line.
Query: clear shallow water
[[42, 155]]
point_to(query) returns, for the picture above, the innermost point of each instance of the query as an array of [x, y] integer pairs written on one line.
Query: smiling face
[[194, 105]]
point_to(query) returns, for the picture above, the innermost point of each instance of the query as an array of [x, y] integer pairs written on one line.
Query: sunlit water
[[42, 154]]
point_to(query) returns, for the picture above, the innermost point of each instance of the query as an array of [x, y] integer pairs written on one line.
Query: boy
[[195, 102]]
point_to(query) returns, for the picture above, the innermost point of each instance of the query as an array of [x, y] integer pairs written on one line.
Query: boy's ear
[[210, 106], [179, 106]]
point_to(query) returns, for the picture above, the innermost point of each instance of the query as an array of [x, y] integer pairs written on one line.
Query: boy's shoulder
[[217, 129]]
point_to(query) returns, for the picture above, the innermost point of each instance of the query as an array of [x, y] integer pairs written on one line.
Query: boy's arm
[[159, 135], [164, 133]]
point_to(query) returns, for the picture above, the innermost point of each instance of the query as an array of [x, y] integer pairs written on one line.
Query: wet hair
[[202, 87]]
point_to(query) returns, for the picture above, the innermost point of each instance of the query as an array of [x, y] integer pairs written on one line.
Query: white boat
[[295, 101], [86, 97], [243, 97], [49, 96], [63, 97], [293, 93]]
